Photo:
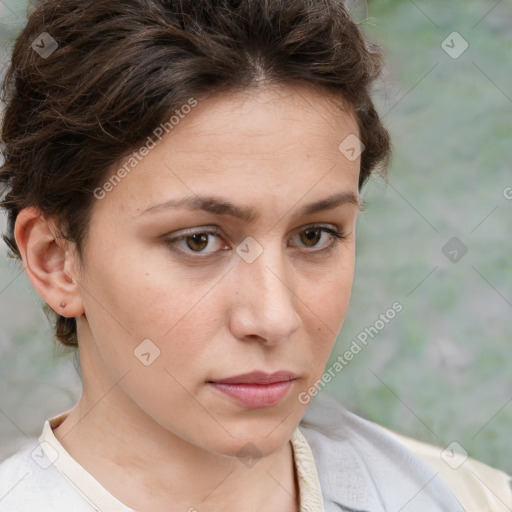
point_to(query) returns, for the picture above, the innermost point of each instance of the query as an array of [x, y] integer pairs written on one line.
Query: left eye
[[313, 233], [196, 242]]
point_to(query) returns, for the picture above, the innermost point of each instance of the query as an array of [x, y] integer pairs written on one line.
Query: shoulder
[[362, 464], [29, 481], [477, 485]]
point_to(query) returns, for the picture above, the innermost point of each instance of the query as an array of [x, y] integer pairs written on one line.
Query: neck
[[148, 467]]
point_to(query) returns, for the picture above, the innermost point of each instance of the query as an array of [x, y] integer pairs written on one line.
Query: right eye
[[192, 243]]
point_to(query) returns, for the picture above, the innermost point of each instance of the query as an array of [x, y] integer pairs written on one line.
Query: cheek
[[119, 298], [327, 306], [329, 296], [180, 319]]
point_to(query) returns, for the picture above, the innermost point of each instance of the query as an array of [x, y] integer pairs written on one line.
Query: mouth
[[256, 389], [257, 377]]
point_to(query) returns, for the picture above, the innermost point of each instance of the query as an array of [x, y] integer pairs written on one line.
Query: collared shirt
[[102, 501], [46, 463]]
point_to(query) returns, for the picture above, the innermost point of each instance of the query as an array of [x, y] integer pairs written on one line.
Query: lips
[[256, 389], [258, 377]]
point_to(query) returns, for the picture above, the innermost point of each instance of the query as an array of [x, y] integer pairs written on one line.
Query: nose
[[266, 305]]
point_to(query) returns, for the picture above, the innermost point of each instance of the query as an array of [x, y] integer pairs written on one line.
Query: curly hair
[[113, 70]]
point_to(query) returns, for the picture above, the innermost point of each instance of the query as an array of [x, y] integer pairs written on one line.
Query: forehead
[[274, 141], [260, 112]]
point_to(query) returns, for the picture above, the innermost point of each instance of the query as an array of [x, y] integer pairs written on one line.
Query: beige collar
[[101, 500]]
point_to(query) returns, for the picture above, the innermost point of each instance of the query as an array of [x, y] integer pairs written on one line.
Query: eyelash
[[335, 236]]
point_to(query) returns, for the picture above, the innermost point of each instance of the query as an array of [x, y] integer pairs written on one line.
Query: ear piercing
[[63, 304]]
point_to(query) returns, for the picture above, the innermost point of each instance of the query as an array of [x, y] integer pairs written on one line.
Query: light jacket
[[364, 467]]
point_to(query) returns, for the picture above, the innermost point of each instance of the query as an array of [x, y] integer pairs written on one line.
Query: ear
[[49, 262]]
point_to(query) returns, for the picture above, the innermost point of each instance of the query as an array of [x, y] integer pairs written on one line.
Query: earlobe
[[46, 259]]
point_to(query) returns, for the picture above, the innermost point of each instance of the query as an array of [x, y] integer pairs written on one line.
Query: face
[[178, 298]]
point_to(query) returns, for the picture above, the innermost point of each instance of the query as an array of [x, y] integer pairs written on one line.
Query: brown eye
[[201, 243], [197, 241], [310, 237]]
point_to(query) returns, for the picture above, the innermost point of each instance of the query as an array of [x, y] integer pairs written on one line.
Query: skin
[[170, 437]]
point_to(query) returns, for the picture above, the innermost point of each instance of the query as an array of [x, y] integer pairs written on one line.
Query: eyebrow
[[219, 206]]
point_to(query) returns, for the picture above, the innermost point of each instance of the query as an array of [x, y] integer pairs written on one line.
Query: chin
[[254, 438]]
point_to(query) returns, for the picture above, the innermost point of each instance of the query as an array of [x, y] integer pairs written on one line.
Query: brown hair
[[115, 69]]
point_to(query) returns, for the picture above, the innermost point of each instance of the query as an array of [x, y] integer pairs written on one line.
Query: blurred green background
[[441, 369]]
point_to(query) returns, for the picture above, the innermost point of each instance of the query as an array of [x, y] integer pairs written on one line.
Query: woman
[[182, 185]]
